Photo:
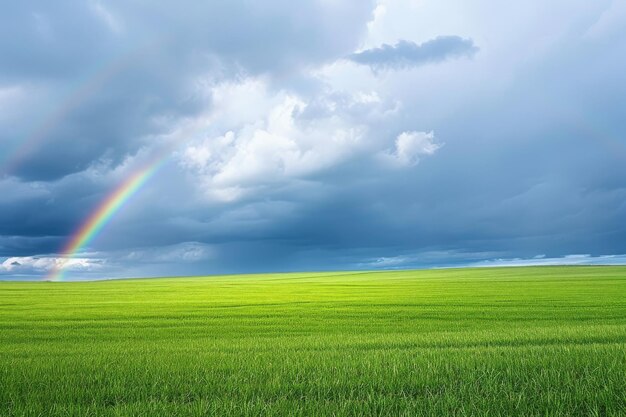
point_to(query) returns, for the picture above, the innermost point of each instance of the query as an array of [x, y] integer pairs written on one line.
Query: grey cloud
[[105, 75], [533, 160], [407, 54]]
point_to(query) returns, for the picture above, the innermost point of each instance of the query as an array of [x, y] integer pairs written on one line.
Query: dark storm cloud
[[36, 217], [407, 54], [101, 75]]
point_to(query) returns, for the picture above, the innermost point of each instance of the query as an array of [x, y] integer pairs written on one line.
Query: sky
[[269, 136]]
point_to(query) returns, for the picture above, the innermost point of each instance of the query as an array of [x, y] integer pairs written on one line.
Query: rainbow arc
[[102, 215]]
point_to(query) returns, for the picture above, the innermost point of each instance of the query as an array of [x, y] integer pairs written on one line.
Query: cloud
[[407, 54], [40, 266], [409, 147], [461, 259], [110, 264], [180, 253], [293, 137], [141, 68], [541, 260], [292, 157]]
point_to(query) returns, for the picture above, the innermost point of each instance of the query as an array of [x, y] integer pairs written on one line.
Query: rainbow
[[102, 215]]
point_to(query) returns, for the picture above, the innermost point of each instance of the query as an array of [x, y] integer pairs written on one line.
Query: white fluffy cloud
[[271, 137], [41, 265], [410, 147]]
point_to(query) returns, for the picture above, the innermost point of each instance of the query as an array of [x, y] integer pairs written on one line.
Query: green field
[[508, 341]]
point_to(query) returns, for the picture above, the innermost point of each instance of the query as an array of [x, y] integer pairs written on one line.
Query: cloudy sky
[[311, 135]]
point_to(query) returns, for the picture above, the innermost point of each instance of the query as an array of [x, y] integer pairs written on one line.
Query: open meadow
[[535, 341]]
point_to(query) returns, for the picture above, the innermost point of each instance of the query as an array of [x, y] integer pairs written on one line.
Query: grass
[[547, 341]]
